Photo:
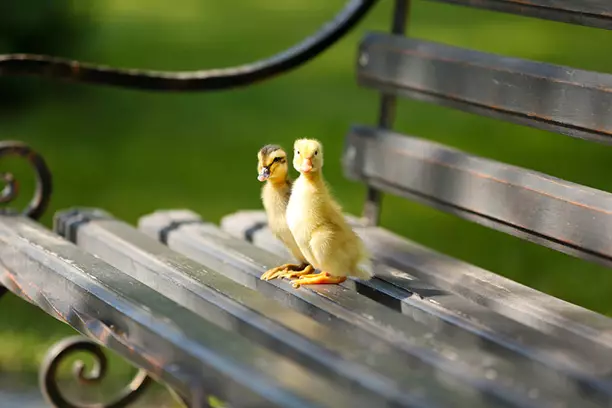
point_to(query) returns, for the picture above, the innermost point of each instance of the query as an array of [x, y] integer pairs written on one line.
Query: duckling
[[318, 225], [273, 169]]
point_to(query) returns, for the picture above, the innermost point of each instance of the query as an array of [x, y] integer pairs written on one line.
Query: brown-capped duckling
[[272, 168]]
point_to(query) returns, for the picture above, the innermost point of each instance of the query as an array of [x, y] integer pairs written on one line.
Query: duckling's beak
[[306, 166], [264, 174]]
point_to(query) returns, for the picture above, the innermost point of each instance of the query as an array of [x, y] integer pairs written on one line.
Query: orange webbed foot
[[281, 270], [301, 273], [310, 275], [318, 279]]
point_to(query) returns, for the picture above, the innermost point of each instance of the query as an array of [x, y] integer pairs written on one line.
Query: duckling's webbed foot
[[317, 279], [302, 271], [281, 270]]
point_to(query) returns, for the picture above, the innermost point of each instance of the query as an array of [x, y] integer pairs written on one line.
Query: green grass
[[133, 152]]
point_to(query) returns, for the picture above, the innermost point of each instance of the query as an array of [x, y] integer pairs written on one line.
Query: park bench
[[180, 297]]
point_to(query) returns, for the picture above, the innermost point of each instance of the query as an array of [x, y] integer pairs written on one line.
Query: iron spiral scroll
[[42, 193], [65, 348]]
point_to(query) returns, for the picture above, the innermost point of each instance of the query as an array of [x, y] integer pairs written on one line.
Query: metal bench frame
[[445, 178]]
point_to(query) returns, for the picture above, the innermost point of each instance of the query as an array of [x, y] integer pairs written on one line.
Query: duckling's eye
[[316, 152], [297, 152]]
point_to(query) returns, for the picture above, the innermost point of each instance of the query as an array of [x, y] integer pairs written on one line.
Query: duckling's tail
[[364, 269], [364, 272]]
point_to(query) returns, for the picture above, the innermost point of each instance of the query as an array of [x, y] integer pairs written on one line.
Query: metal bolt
[[351, 152], [363, 59]]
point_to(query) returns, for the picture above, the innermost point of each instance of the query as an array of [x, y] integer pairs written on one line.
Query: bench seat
[[500, 357], [431, 274], [418, 281], [184, 349]]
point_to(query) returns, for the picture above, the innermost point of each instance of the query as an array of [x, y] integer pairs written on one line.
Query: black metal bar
[[556, 98], [586, 360], [561, 215], [78, 344], [593, 13], [432, 343], [386, 116], [171, 343], [206, 291], [207, 80]]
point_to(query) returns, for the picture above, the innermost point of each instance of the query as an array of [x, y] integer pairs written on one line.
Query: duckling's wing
[[329, 251], [288, 240], [288, 190]]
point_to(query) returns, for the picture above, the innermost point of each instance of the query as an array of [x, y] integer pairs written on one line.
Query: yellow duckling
[[318, 225], [273, 169]]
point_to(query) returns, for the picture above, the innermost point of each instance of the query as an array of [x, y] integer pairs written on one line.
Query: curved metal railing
[[202, 80], [190, 81]]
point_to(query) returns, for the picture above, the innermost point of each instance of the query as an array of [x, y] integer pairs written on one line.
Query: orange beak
[[306, 166]]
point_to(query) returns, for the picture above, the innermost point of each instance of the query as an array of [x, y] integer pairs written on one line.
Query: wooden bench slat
[[556, 98], [593, 13], [587, 329], [561, 215], [473, 354], [143, 326], [576, 347], [583, 358], [207, 292], [442, 389]]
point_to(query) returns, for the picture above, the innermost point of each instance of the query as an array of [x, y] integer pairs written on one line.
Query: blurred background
[[131, 152]]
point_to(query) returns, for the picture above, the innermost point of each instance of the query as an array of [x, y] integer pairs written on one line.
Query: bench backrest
[[592, 13], [556, 213]]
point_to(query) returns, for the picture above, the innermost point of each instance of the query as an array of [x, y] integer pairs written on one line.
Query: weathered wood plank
[[561, 99], [146, 328], [206, 291], [562, 320], [399, 262], [561, 215], [593, 13], [446, 346]]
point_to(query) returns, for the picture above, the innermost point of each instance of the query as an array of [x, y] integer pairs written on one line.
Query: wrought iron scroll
[[42, 193], [204, 80], [66, 347]]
